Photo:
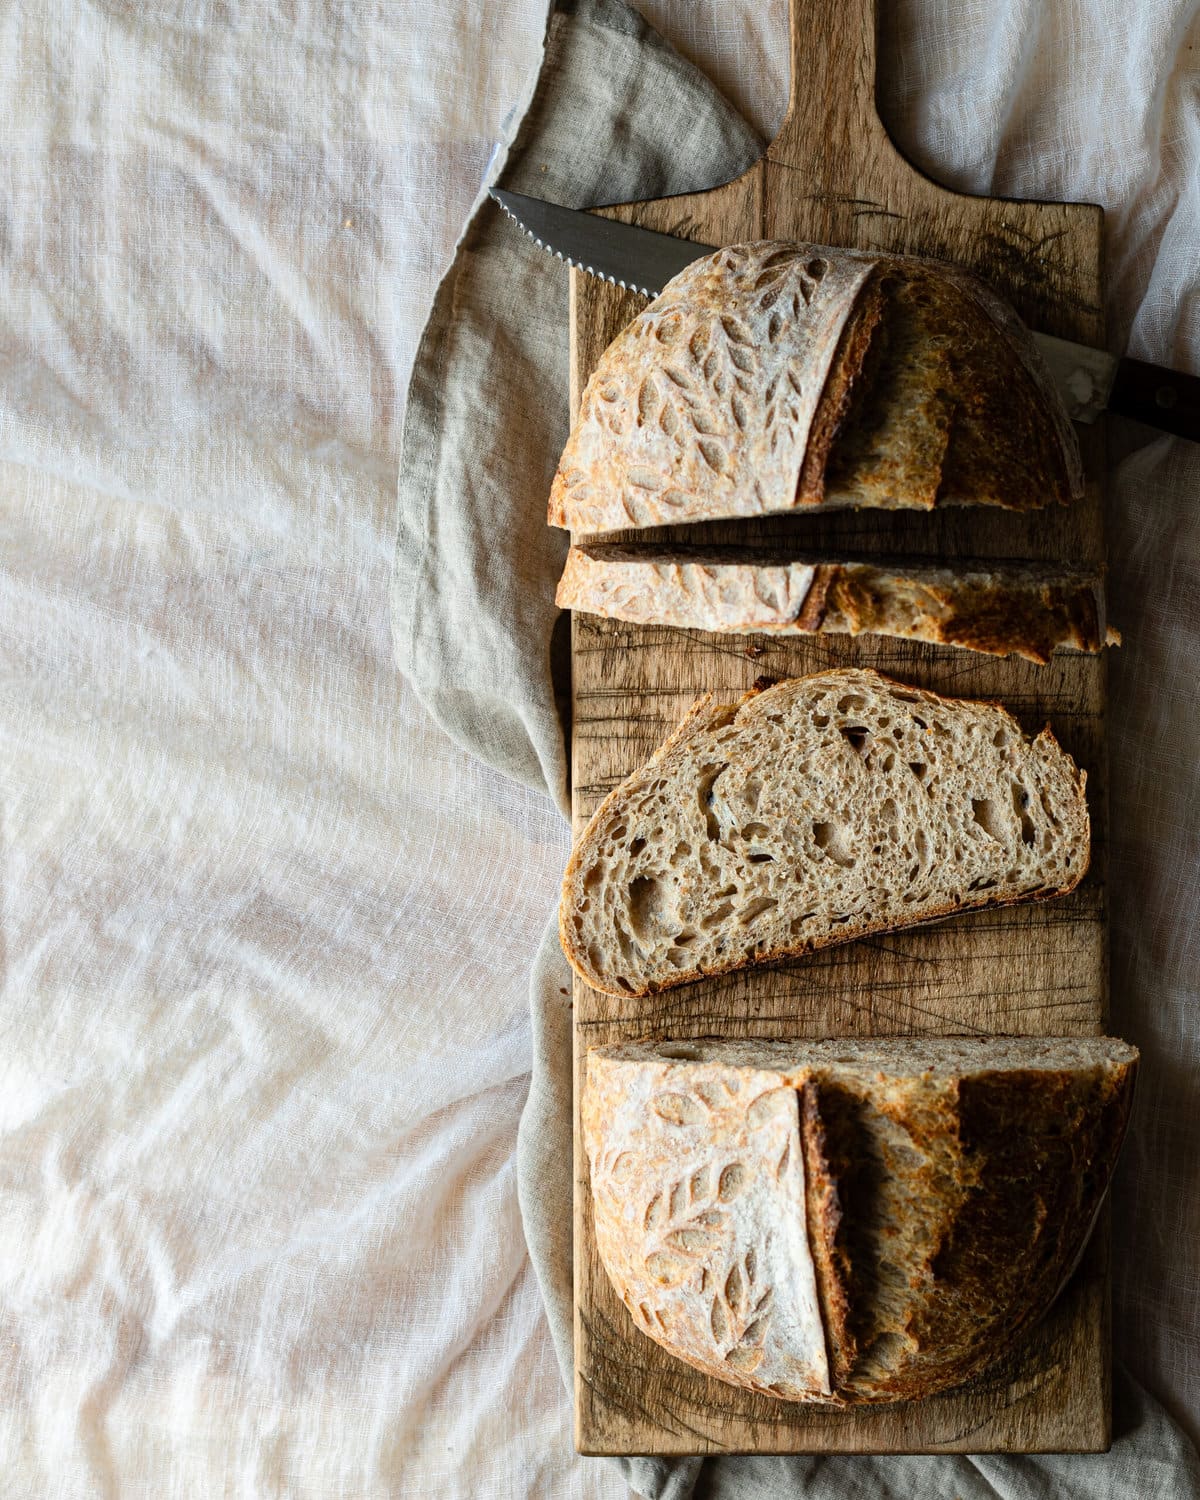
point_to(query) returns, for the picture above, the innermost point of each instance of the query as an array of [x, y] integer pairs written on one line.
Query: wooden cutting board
[[833, 177]]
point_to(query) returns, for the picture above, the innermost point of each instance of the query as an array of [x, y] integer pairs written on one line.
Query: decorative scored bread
[[684, 1210], [1022, 609], [810, 813], [849, 1221], [775, 377]]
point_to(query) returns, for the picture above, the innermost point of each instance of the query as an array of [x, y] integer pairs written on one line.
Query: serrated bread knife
[[1089, 380]]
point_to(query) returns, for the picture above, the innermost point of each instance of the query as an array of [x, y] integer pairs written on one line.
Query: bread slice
[[853, 1220], [774, 377], [1021, 609], [810, 813]]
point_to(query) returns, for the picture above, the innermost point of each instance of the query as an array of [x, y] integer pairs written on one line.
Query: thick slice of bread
[[816, 811], [776, 377], [849, 1221], [1022, 609]]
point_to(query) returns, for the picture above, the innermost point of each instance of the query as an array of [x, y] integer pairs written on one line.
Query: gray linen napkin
[[615, 115]]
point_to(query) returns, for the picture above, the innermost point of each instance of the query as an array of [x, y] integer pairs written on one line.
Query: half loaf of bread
[[849, 1221], [810, 813], [1021, 609], [774, 377]]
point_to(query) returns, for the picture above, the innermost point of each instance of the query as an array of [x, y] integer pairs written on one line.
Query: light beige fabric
[[265, 930]]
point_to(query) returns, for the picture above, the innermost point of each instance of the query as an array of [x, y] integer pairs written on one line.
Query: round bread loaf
[[852, 1220], [774, 377]]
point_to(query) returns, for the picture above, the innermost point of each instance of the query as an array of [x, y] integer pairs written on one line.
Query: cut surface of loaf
[[813, 812], [849, 1221], [773, 377], [1022, 609]]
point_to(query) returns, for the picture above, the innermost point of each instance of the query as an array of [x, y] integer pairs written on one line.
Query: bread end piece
[[707, 1249], [949, 1188], [775, 376], [1001, 609]]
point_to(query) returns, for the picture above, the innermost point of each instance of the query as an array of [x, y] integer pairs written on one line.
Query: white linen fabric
[[265, 931]]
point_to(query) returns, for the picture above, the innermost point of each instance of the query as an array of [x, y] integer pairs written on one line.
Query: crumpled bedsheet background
[[265, 931]]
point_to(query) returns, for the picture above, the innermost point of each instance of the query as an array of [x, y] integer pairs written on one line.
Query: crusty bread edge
[[833, 404], [859, 319], [832, 1297], [1019, 338], [577, 585]]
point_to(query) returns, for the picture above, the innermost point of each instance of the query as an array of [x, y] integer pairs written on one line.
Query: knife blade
[[642, 260]]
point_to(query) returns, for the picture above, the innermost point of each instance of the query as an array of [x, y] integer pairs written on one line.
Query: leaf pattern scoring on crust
[[695, 392], [704, 1234]]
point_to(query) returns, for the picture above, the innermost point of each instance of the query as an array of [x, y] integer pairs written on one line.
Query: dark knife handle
[[1161, 397]]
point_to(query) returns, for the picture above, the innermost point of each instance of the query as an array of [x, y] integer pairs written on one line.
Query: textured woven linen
[[265, 930]]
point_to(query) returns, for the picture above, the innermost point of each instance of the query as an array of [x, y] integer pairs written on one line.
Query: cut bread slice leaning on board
[[854, 1220], [813, 812], [775, 377], [1003, 609]]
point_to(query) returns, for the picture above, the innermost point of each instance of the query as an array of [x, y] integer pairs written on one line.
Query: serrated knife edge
[[1084, 376], [499, 196]]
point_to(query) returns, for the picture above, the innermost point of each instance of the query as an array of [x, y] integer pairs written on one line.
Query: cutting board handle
[[831, 123]]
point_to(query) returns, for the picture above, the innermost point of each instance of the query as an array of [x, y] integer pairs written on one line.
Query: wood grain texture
[[832, 176]]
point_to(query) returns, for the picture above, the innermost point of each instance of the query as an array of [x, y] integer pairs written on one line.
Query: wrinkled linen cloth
[[265, 932], [1001, 103], [265, 929]]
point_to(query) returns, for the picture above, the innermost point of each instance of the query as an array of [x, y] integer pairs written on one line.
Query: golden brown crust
[[837, 393], [950, 1186], [1041, 407], [996, 615], [775, 375], [826, 1233], [1044, 1145], [949, 407], [816, 601]]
